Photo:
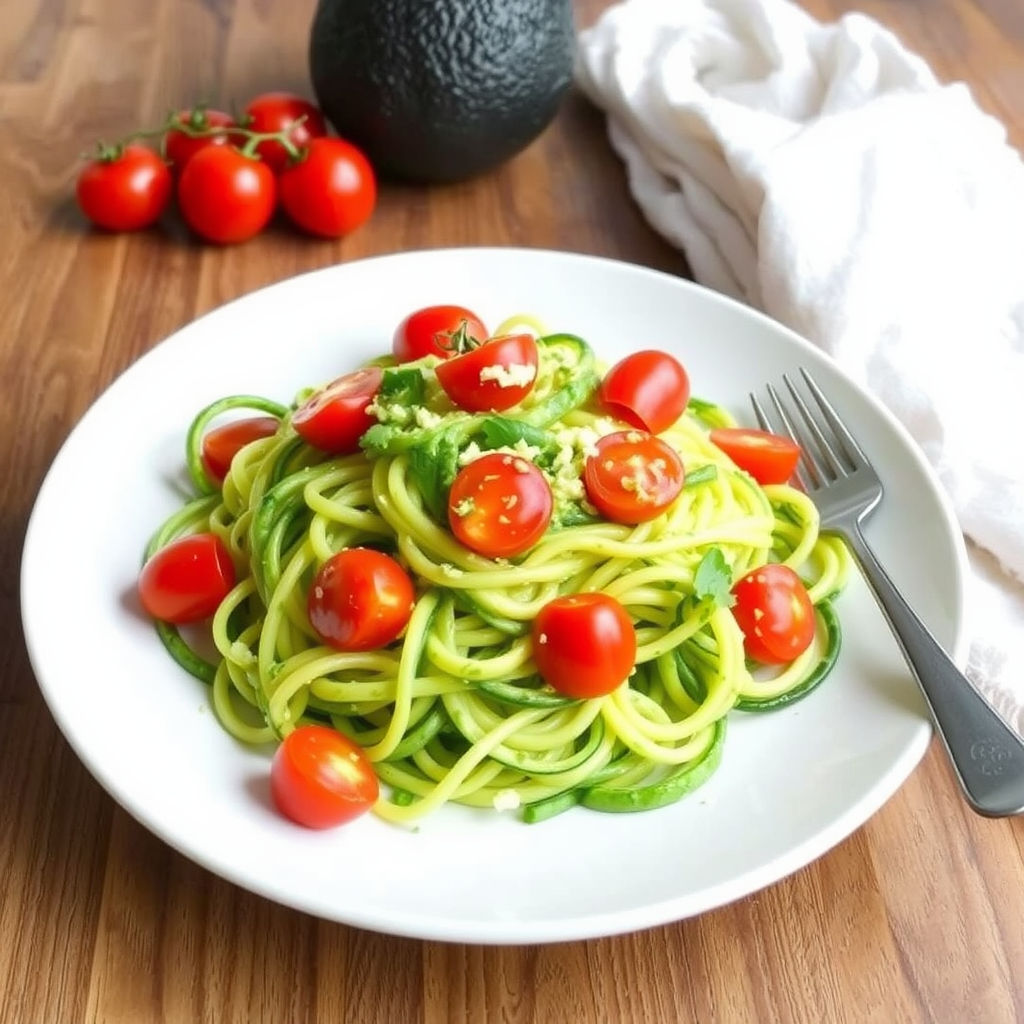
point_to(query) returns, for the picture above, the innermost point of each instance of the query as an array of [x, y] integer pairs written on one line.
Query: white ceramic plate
[[791, 786]]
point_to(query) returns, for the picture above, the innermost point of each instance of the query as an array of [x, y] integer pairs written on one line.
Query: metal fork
[[987, 755]]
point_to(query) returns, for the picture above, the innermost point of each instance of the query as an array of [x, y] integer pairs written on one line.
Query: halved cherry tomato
[[768, 458], [492, 377], [222, 444], [187, 580], [648, 389], [335, 417], [633, 476], [278, 112], [500, 505], [180, 146], [584, 644], [360, 599], [429, 331], [775, 613], [320, 778]]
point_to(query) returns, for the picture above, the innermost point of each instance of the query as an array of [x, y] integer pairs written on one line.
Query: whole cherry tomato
[[493, 376], [125, 189], [278, 112], [180, 146], [320, 778], [648, 389], [330, 190], [360, 599], [584, 644], [774, 611], [499, 505], [225, 196], [429, 332], [186, 580], [633, 476], [335, 417]]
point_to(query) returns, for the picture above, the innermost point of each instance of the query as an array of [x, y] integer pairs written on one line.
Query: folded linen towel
[[821, 173]]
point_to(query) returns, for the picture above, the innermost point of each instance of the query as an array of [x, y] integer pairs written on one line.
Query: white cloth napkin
[[821, 173]]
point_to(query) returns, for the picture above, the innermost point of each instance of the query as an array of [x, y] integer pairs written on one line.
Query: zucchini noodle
[[455, 711]]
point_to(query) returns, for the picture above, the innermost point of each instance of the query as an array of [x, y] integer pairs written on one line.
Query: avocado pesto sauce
[[416, 417]]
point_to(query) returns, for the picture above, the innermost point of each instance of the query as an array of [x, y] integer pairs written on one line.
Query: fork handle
[[987, 755]]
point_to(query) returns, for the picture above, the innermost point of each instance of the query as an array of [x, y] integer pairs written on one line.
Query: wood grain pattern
[[918, 917]]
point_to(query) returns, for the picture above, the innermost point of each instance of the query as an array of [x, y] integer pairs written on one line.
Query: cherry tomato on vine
[[768, 458], [360, 599], [125, 189], [648, 389], [330, 190], [221, 444], [180, 146], [584, 644], [320, 778], [335, 417], [774, 611], [633, 476], [499, 505], [279, 112], [429, 331], [493, 376], [187, 580], [225, 196]]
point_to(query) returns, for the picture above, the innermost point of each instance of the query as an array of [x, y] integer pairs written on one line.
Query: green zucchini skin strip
[[522, 696], [692, 684], [549, 807], [464, 600], [701, 475], [679, 783], [180, 651], [421, 734], [816, 678]]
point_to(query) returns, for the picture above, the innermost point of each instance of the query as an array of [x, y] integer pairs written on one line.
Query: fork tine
[[759, 414], [813, 438], [854, 454], [806, 472]]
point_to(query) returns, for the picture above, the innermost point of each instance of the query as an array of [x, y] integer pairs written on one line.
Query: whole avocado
[[440, 90]]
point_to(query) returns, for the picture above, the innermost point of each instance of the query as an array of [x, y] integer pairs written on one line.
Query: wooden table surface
[[918, 916]]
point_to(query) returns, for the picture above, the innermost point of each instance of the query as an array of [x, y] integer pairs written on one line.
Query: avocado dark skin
[[440, 90]]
